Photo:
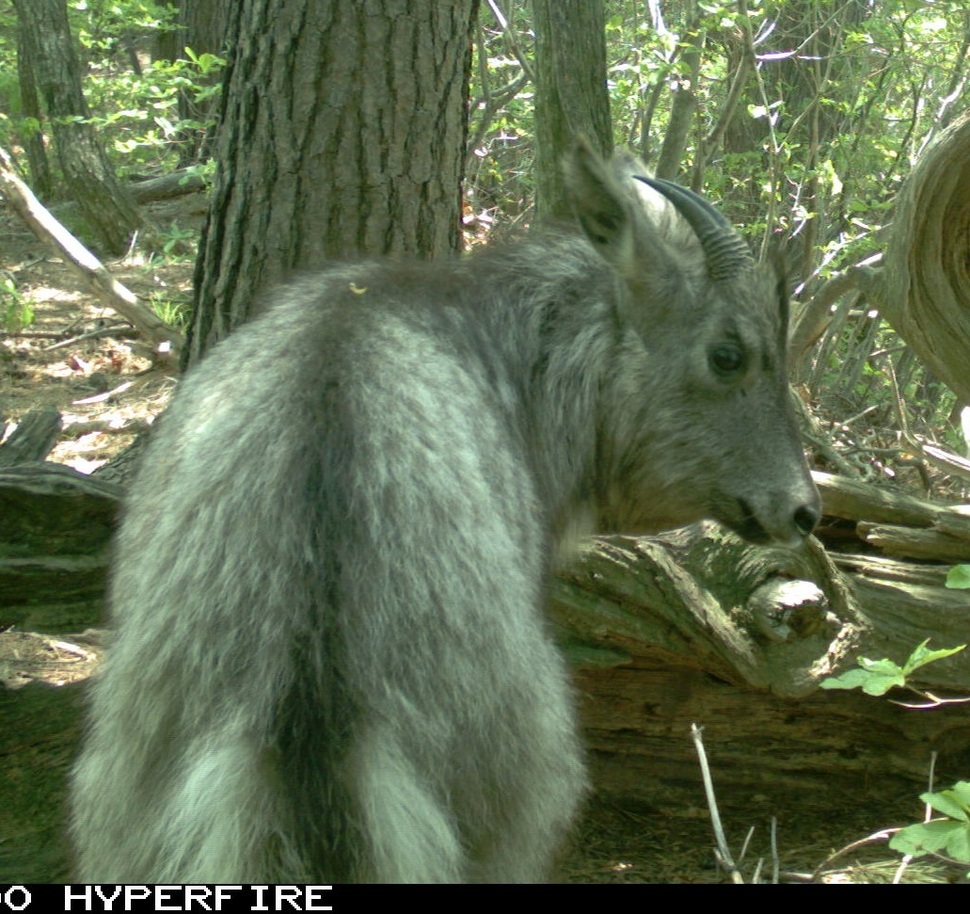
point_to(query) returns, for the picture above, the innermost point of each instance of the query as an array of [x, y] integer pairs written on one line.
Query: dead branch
[[164, 341]]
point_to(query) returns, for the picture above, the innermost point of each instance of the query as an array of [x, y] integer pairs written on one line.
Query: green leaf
[[954, 803], [949, 836], [871, 682], [958, 847], [923, 655], [883, 667], [939, 835], [958, 577], [876, 677]]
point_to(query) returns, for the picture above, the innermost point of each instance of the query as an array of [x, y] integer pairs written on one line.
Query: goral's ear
[[783, 258], [601, 206]]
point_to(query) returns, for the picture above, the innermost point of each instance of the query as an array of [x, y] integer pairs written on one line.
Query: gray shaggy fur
[[331, 660]]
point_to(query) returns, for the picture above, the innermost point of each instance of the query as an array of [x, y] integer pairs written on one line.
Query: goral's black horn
[[725, 251]]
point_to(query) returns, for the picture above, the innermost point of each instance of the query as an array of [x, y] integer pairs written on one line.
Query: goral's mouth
[[745, 523], [749, 528]]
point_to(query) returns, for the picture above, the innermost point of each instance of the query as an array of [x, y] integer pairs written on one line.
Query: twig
[[90, 335], [509, 34], [934, 701], [867, 411], [744, 847], [756, 877], [722, 852], [775, 860], [70, 649], [107, 395], [882, 835], [32, 334]]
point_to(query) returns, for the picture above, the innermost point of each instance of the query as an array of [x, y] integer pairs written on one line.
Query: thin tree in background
[[107, 208], [199, 27], [571, 93]]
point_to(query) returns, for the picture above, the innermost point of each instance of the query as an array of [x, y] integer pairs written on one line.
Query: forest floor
[[76, 355]]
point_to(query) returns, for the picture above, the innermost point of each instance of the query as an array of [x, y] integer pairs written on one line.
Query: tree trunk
[[200, 27], [571, 95], [342, 133], [108, 210], [926, 296], [33, 139], [683, 107]]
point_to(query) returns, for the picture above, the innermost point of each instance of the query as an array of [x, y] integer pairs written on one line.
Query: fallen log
[[915, 543], [56, 527], [177, 184], [32, 438]]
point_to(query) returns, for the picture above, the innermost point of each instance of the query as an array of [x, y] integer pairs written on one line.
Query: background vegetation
[[801, 117]]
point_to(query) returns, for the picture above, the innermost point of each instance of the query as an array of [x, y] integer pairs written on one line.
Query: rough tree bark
[[926, 292], [683, 107], [342, 133], [33, 140], [108, 210], [571, 95], [923, 286]]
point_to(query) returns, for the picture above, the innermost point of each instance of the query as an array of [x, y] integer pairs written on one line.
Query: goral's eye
[[726, 359]]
